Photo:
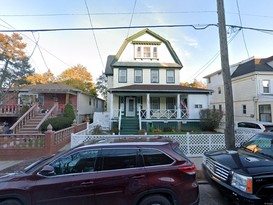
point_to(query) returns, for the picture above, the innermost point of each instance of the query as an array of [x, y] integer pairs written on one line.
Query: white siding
[[197, 100]]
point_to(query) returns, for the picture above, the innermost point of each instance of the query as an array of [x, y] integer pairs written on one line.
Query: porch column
[[148, 116], [178, 107], [111, 106]]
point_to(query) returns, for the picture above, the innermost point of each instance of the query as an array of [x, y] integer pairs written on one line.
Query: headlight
[[242, 182]]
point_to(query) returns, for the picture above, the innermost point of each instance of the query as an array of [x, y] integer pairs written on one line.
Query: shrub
[[142, 132], [210, 119], [69, 111], [97, 130], [57, 123]]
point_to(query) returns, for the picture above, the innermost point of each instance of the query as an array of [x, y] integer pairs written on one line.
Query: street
[[210, 196]]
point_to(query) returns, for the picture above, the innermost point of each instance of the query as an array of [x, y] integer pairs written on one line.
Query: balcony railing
[[10, 110]]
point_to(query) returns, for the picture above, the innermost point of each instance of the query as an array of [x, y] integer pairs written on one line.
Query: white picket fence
[[193, 145]]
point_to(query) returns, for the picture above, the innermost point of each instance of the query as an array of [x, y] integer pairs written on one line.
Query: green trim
[[141, 33]]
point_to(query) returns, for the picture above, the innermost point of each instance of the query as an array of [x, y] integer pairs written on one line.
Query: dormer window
[[146, 50]]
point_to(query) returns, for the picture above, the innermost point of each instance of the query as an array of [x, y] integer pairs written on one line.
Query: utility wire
[[130, 24], [243, 34], [94, 36], [196, 27], [214, 57]]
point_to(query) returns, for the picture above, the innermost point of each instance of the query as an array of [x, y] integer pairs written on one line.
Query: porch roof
[[159, 89]]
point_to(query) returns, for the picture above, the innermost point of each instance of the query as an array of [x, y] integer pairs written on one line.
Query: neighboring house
[[47, 95], [143, 84], [252, 84]]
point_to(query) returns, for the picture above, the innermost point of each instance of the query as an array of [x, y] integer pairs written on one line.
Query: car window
[[113, 159], [154, 157], [82, 161], [260, 144]]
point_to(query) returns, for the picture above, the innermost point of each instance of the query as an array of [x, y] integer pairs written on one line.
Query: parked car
[[255, 126], [245, 174], [116, 171]]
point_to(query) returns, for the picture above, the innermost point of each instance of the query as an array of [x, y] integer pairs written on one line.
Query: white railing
[[193, 145], [164, 114]]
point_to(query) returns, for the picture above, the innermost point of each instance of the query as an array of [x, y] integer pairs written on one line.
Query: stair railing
[[119, 120], [24, 119], [48, 115]]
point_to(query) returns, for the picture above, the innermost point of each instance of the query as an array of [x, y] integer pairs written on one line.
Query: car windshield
[[260, 144]]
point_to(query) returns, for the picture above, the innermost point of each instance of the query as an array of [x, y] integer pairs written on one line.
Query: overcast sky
[[198, 50]]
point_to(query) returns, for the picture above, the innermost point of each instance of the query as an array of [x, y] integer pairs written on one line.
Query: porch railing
[[164, 114], [10, 110]]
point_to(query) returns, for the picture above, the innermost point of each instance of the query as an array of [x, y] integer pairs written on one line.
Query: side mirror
[[47, 171]]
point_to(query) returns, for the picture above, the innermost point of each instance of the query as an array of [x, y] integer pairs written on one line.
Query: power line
[[94, 36], [130, 24], [194, 26], [243, 34]]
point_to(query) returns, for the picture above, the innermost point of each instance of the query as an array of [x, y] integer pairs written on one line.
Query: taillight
[[188, 169]]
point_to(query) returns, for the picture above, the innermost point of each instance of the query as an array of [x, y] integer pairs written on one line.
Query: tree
[[14, 62], [37, 78], [194, 84], [101, 85], [78, 77]]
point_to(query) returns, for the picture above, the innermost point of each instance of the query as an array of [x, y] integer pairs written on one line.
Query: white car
[[256, 126]]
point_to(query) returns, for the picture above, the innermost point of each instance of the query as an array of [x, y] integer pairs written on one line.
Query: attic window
[[146, 52]]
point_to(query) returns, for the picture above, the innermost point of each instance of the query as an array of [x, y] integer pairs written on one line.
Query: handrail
[[22, 120], [139, 118], [46, 116], [119, 120]]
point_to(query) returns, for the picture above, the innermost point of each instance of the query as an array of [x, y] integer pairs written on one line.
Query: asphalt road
[[211, 196]]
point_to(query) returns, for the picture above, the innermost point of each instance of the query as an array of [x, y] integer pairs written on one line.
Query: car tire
[[155, 200], [11, 202]]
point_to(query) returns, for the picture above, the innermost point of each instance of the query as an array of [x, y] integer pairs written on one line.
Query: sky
[[197, 49]]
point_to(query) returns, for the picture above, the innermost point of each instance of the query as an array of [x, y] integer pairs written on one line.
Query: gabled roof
[[254, 65], [108, 69], [51, 88], [139, 88]]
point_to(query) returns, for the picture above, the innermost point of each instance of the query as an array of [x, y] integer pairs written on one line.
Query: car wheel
[[11, 202], [155, 200]]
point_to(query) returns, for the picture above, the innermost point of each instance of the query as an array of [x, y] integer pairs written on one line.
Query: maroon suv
[[116, 171]]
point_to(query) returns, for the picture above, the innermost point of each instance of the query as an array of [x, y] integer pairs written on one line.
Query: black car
[[245, 174]]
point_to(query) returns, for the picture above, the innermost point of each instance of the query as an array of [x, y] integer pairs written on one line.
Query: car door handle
[[87, 183], [138, 176]]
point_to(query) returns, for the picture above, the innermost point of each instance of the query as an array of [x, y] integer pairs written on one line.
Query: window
[[120, 159], [155, 103], [198, 106], [154, 76], [265, 113], [138, 76], [90, 101], [147, 52], [170, 76], [83, 161], [170, 103], [219, 90], [265, 86], [220, 107], [122, 76], [244, 109], [154, 52], [153, 157]]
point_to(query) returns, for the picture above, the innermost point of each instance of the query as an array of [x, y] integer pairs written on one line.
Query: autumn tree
[[101, 85], [37, 78], [194, 84], [78, 77], [14, 63]]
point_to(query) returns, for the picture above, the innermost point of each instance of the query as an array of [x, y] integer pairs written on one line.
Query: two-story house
[[252, 84], [144, 85]]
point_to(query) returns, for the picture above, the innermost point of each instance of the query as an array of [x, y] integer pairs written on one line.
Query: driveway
[[211, 196]]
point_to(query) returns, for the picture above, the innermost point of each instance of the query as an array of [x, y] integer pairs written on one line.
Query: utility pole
[[229, 111]]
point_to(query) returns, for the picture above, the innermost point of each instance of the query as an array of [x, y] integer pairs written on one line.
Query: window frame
[[155, 71], [120, 75], [168, 71], [135, 75], [266, 87]]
